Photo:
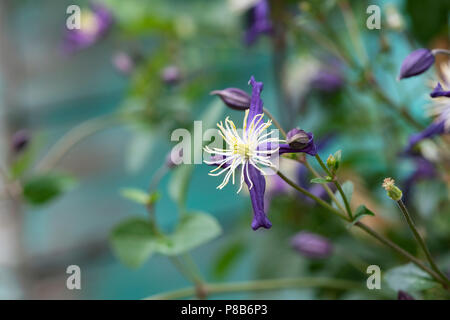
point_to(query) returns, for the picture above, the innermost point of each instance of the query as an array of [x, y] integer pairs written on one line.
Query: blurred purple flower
[[123, 62], [327, 81], [235, 98], [402, 295], [434, 129], [171, 75], [258, 22], [416, 62], [312, 245], [20, 140], [95, 23], [424, 169]]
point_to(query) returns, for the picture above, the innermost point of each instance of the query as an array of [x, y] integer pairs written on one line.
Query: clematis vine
[[95, 23], [250, 152], [439, 110]]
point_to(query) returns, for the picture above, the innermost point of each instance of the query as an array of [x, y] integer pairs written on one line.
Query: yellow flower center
[[242, 149]]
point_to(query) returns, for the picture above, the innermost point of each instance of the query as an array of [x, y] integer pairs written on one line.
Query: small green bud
[[393, 191], [333, 161]]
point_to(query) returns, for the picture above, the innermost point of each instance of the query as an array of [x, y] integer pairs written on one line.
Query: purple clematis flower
[[434, 129], [416, 62], [327, 81], [258, 22], [249, 152], [95, 23]]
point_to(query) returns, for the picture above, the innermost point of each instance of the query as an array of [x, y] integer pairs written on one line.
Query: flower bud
[[333, 161], [171, 75], [416, 63], [20, 140], [297, 138], [402, 295], [393, 191], [235, 98], [123, 62], [311, 245]]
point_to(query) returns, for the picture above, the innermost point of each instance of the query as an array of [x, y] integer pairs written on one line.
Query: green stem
[[275, 122], [261, 285], [307, 193], [74, 136], [338, 186], [368, 230], [420, 240]]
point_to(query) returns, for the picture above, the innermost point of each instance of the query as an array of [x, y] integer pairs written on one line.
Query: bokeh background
[[153, 68]]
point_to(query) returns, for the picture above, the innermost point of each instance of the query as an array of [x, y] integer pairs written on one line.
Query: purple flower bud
[[171, 74], [438, 91], [20, 140], [416, 63], [311, 245], [297, 138], [327, 81], [235, 98], [123, 62], [402, 295]]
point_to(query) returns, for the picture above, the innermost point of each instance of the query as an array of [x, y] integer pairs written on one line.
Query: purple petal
[[312, 245], [259, 22], [402, 295], [434, 129], [416, 63], [256, 104], [257, 197], [438, 91]]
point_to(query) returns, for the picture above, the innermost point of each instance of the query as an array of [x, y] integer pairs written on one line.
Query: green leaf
[[226, 258], [193, 230], [321, 180], [347, 187], [42, 188], [337, 155], [360, 212], [139, 196], [22, 163], [134, 241], [178, 184], [409, 277]]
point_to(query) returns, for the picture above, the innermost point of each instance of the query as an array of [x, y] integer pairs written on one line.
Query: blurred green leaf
[[360, 212], [347, 187], [178, 184], [226, 258], [134, 241], [140, 196], [320, 180], [22, 163], [408, 277], [139, 149], [42, 188], [194, 229]]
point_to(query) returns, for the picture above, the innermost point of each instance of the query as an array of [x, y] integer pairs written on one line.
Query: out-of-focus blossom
[[393, 18], [416, 62], [20, 140], [250, 152], [235, 98], [258, 22], [174, 158], [312, 245], [327, 81], [95, 23], [171, 74], [123, 62], [424, 169], [402, 295], [439, 110]]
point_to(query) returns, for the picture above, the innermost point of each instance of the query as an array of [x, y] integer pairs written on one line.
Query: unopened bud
[[392, 190], [235, 98], [297, 138], [171, 75], [402, 295], [333, 161], [311, 245], [20, 140], [416, 62], [174, 158]]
